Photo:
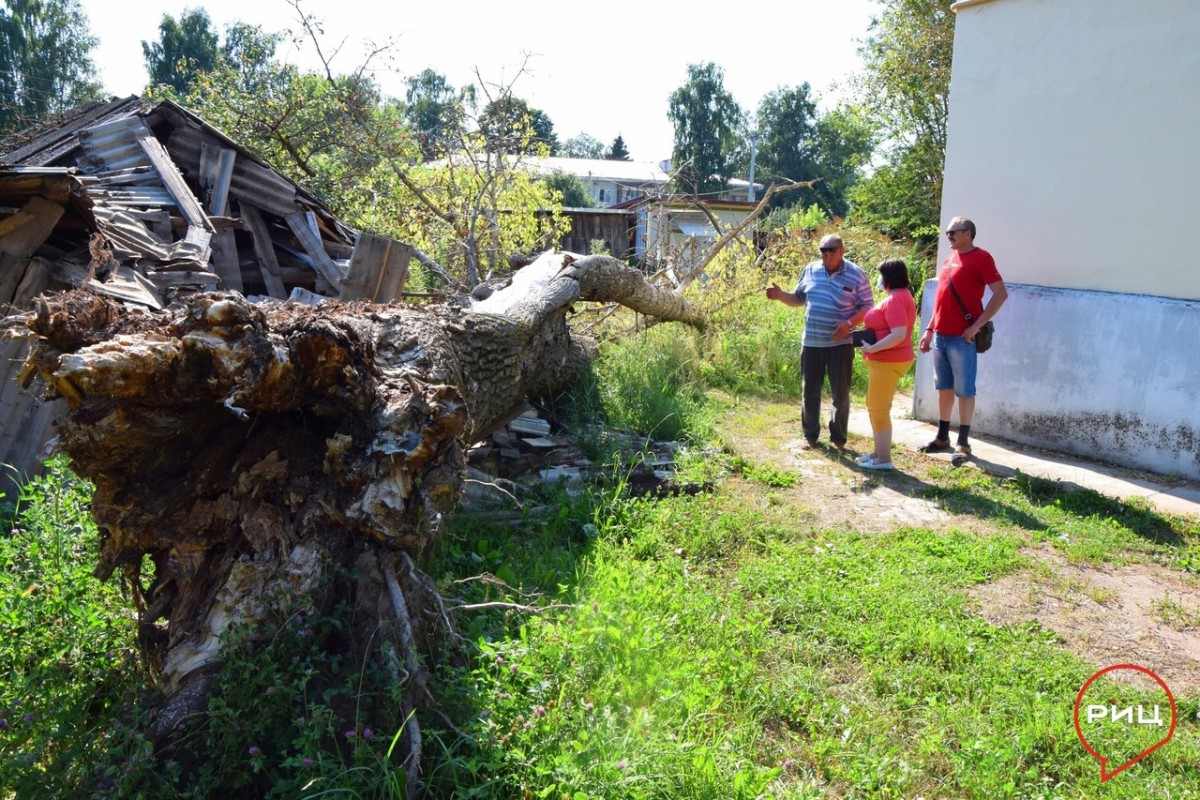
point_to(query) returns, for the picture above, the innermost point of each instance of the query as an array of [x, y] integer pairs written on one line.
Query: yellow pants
[[882, 377]]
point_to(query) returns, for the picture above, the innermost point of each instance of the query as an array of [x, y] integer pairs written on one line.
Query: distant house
[[663, 228], [609, 182], [676, 230], [615, 182], [1071, 144]]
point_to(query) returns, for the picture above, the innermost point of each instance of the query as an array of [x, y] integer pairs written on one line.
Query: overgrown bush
[[68, 664], [288, 720]]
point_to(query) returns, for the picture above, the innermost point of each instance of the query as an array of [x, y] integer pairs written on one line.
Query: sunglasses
[[952, 231], [830, 249]]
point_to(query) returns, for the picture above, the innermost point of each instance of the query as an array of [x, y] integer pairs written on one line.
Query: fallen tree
[[247, 457]]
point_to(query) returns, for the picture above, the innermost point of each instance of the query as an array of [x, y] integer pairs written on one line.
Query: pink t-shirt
[[894, 311]]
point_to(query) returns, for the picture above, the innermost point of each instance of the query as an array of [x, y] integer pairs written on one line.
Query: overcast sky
[[599, 68]]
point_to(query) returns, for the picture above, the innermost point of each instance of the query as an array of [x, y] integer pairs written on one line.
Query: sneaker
[[808, 444], [961, 454], [866, 458], [880, 465], [936, 446]]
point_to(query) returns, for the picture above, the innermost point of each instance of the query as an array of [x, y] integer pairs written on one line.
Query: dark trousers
[[815, 363]]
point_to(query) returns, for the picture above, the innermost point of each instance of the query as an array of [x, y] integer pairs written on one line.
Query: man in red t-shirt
[[952, 338]]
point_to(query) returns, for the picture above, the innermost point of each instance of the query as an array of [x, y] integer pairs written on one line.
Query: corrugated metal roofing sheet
[[52, 139]]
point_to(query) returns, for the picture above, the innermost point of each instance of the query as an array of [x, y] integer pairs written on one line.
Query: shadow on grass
[[1133, 515], [976, 499]]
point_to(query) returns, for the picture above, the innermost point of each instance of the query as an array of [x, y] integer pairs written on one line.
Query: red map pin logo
[[1105, 773]]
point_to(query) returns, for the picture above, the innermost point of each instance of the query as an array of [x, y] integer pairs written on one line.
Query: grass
[[722, 644]]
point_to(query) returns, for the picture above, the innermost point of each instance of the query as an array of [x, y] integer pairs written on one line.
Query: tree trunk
[[245, 452]]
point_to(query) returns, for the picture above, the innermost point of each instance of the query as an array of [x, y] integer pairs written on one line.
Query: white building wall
[[1071, 145], [1072, 141]]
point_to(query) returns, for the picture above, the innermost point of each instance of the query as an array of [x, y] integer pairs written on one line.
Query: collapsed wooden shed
[[146, 202]]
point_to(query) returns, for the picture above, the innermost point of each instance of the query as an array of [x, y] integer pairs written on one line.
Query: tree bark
[[241, 449]]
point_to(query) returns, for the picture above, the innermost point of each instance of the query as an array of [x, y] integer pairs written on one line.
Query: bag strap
[[961, 304]]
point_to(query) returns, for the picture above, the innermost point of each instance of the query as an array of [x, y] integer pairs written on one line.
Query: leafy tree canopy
[[786, 141], [843, 142], [572, 191], [184, 48], [582, 146], [434, 109], [510, 125], [707, 120], [337, 136], [906, 89], [46, 61]]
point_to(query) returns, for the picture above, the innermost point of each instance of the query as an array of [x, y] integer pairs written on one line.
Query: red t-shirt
[[971, 272], [893, 311]]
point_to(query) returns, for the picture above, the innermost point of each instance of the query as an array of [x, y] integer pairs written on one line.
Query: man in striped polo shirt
[[836, 295]]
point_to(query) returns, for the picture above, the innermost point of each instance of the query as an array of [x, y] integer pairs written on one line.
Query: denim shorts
[[954, 363]]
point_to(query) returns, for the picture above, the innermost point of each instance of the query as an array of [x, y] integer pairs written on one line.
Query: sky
[[604, 69]]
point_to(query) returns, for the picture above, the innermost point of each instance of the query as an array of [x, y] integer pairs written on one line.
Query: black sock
[[943, 430], [964, 431]]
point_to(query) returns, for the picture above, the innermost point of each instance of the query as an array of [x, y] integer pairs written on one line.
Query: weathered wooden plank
[[26, 419], [225, 260], [304, 227], [395, 273], [265, 250], [366, 267], [12, 272], [158, 223], [23, 232], [216, 171], [188, 205], [36, 281]]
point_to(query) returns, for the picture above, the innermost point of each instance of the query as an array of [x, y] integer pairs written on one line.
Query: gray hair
[[966, 223]]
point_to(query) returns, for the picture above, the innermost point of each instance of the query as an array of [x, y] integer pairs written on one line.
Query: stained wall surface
[[1071, 145]]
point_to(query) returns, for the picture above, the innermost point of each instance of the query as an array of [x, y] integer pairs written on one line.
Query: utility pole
[[753, 153]]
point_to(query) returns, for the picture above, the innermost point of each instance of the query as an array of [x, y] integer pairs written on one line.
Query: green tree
[[906, 89], [338, 137], [787, 141], [434, 108], [46, 64], [184, 48], [510, 125], [573, 192], [618, 151], [843, 144], [582, 146], [707, 120]]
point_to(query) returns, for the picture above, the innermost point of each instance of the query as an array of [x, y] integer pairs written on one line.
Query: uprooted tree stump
[[236, 447]]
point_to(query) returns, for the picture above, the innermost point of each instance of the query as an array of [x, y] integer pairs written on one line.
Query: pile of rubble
[[528, 453]]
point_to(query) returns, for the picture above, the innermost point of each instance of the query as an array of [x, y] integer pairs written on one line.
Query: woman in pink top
[[889, 357]]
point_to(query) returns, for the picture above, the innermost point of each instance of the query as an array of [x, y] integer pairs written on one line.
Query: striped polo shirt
[[831, 299]]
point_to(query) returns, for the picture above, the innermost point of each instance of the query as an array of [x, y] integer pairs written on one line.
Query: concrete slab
[[1003, 457]]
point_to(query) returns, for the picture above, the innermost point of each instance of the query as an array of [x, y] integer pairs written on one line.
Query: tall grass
[[651, 384], [68, 664]]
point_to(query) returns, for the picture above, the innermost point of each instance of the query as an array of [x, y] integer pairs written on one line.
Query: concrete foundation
[[1109, 376]]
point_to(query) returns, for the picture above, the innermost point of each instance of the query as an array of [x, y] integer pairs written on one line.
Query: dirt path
[[1138, 613]]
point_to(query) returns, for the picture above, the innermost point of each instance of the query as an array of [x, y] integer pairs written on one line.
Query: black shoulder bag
[[983, 337]]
